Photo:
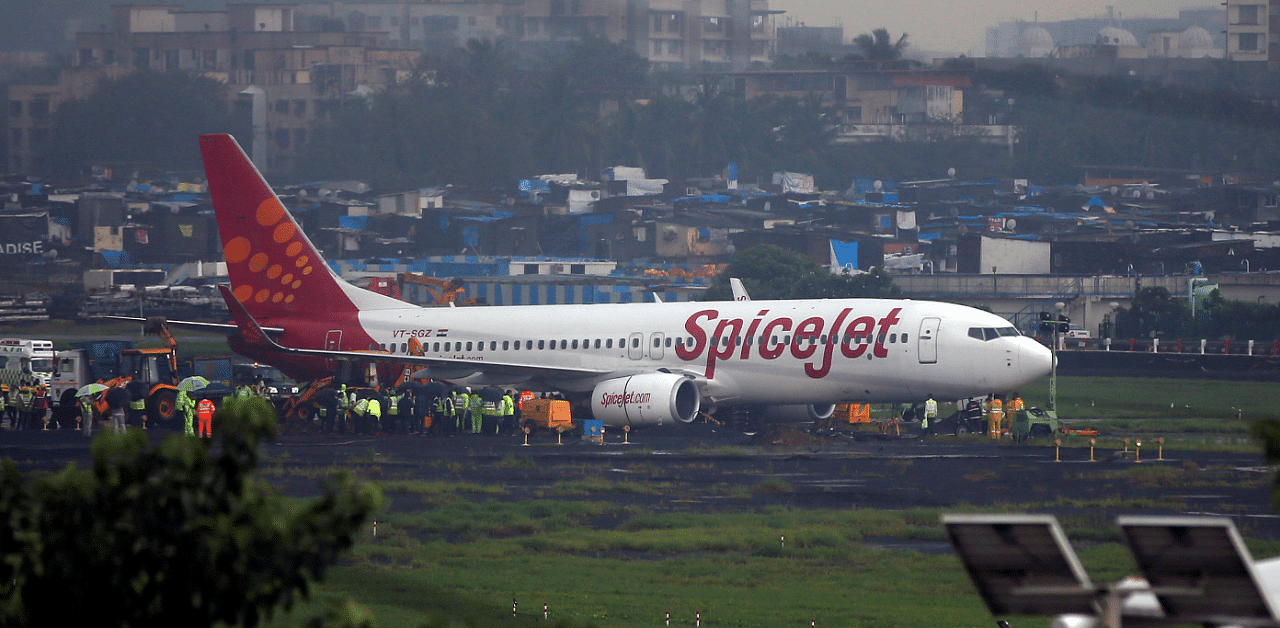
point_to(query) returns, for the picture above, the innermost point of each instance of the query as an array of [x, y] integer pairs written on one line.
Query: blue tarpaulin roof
[[846, 253], [353, 222]]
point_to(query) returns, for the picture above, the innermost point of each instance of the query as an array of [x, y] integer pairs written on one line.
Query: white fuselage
[[751, 352]]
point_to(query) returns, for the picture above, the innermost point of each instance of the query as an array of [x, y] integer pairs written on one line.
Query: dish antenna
[[951, 172], [877, 184]]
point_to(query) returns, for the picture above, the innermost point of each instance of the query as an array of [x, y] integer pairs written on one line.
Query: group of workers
[[998, 412], [26, 405], [415, 410]]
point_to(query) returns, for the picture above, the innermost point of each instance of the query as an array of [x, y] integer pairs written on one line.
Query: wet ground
[[708, 469]]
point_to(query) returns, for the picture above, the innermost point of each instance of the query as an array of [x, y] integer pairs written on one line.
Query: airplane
[[638, 364]]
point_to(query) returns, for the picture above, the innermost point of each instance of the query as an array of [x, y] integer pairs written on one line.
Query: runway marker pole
[[1137, 453], [1092, 442], [375, 528], [545, 612], [1161, 451], [668, 618], [782, 540], [513, 608], [697, 619], [1057, 450]]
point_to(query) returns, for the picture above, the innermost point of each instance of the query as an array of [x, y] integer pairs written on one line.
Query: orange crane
[[442, 291]]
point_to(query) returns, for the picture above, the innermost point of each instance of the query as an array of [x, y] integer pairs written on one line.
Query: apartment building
[[307, 58], [671, 34], [304, 75], [1253, 30]]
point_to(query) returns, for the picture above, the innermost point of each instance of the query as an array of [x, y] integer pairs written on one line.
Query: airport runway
[[719, 470]]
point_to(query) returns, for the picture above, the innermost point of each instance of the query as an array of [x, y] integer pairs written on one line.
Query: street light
[[1055, 325]]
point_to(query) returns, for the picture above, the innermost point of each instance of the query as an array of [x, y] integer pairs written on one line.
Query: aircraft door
[[655, 345], [929, 340], [332, 342], [635, 346]]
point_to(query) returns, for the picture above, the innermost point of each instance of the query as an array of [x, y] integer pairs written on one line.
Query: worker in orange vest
[[204, 415]]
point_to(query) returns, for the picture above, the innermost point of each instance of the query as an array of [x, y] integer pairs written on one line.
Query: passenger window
[[880, 339], [608, 344], [468, 345], [564, 344], [635, 343], [597, 343], [436, 347], [493, 345], [404, 347], [382, 347], [575, 343], [893, 338], [506, 345], [447, 346], [668, 342], [542, 344], [904, 337], [657, 342]]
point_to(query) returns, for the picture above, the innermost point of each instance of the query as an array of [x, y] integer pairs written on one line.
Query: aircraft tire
[[961, 429]]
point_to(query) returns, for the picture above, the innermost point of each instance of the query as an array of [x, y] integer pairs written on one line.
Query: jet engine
[[799, 413], [649, 399]]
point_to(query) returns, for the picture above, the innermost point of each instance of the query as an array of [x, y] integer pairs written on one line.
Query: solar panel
[[1199, 570], [1021, 564]]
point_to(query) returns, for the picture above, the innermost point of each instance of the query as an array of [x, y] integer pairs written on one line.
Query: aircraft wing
[[224, 328], [436, 368]]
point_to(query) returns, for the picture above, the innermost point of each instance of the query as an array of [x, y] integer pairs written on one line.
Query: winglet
[[250, 331], [739, 291]]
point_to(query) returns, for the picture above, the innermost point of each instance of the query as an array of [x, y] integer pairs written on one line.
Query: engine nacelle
[[649, 399], [799, 413]]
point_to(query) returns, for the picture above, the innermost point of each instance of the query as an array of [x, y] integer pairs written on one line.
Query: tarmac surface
[[715, 469]]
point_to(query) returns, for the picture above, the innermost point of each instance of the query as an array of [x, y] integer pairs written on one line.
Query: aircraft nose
[[1037, 360]]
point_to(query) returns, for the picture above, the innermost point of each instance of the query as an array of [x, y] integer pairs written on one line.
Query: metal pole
[[1053, 374]]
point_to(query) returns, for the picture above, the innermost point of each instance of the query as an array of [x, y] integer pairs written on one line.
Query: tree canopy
[[878, 45], [168, 535], [769, 272], [143, 118]]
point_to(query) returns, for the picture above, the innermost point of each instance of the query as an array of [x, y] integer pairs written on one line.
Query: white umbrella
[[193, 383], [91, 389]]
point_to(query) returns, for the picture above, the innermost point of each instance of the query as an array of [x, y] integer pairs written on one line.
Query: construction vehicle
[[1034, 423], [24, 361], [114, 363], [441, 291]]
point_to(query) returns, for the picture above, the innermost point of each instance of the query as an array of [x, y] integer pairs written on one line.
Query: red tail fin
[[275, 270]]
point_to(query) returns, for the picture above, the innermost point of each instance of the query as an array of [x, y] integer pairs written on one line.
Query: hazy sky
[[960, 25]]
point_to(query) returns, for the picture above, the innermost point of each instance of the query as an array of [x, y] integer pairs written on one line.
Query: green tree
[[770, 272], [878, 45], [143, 117], [168, 535], [1154, 310]]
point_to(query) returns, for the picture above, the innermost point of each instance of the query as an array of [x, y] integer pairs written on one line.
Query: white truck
[[23, 360]]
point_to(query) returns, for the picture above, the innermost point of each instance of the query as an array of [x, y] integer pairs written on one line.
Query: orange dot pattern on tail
[[269, 280]]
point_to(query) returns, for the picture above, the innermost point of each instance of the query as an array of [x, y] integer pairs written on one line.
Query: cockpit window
[[991, 333]]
